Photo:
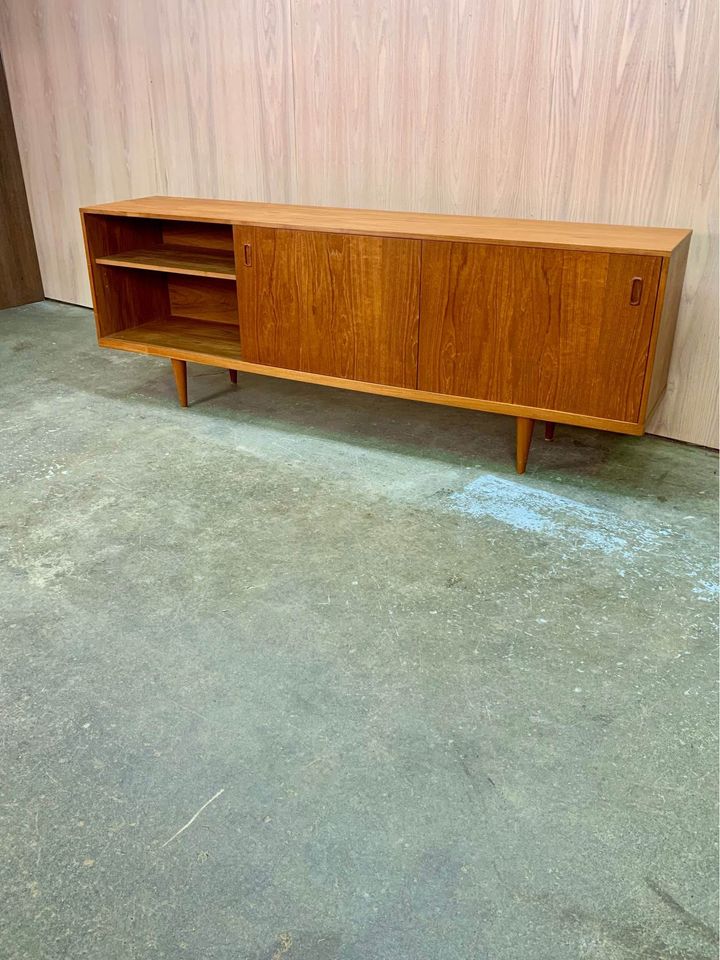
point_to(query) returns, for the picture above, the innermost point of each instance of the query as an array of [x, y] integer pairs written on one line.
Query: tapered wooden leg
[[180, 372], [524, 431], [549, 430], [233, 376]]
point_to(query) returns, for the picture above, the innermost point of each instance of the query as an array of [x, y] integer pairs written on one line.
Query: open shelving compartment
[[164, 287]]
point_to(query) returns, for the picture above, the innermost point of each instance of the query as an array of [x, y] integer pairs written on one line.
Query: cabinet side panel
[[668, 305]]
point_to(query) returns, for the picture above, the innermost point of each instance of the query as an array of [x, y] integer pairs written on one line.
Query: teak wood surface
[[657, 241], [176, 259], [216, 344], [200, 298], [544, 328], [332, 304], [561, 329]]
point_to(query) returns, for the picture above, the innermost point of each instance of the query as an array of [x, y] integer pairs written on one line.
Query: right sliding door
[[556, 329]]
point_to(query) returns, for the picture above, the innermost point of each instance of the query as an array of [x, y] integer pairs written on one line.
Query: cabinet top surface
[[658, 241]]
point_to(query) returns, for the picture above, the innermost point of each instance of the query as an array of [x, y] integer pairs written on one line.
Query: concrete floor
[[454, 713]]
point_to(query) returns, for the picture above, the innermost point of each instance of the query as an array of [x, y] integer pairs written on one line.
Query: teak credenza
[[561, 322]]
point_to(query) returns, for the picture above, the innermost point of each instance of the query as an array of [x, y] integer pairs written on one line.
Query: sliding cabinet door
[[560, 330], [328, 303]]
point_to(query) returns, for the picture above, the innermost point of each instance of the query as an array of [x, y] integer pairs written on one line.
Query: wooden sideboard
[[561, 322]]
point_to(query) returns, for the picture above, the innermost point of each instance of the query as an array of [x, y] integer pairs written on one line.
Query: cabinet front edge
[[380, 389]]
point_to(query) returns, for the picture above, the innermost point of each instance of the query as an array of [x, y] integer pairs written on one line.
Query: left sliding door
[[333, 304]]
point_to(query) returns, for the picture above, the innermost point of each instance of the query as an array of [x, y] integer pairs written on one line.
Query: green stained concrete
[[454, 713]]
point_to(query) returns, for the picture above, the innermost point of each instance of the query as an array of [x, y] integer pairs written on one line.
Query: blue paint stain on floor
[[532, 510], [707, 590], [580, 527]]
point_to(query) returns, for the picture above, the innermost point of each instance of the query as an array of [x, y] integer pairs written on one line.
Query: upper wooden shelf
[[176, 259], [657, 241]]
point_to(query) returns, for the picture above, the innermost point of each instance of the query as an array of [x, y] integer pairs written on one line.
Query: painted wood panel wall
[[600, 110]]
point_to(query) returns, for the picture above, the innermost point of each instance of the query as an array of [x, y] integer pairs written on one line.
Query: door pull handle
[[247, 254], [636, 291]]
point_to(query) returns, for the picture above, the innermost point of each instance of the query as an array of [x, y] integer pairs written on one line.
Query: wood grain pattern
[[203, 299], [543, 328], [175, 259], [343, 306], [179, 369], [206, 235], [213, 343], [514, 329], [19, 271], [671, 287], [122, 298], [119, 99], [547, 109], [523, 438], [383, 223]]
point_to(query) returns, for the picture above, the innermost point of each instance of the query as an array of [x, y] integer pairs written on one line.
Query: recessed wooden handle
[[247, 253], [636, 291]]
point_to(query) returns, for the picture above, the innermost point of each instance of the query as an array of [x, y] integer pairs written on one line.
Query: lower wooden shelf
[[182, 337]]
